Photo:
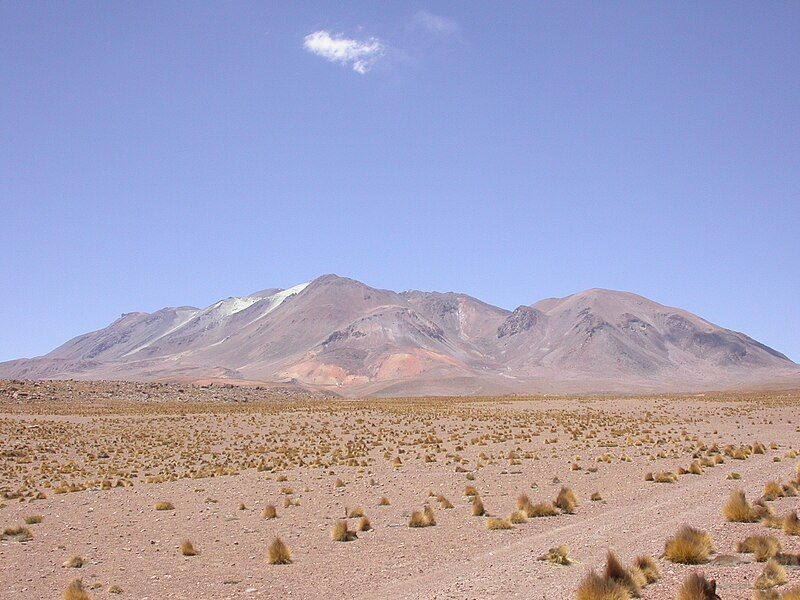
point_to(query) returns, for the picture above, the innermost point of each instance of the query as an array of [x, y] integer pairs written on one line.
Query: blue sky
[[158, 154]]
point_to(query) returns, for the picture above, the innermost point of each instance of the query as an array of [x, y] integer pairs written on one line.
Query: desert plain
[[150, 491]]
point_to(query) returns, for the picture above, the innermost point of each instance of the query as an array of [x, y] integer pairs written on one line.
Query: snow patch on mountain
[[276, 300], [231, 306], [191, 316]]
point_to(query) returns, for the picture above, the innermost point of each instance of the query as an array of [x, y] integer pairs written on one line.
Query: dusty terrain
[[94, 459]]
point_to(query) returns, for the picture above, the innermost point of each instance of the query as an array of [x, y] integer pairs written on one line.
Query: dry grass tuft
[[518, 517], [422, 518], [494, 524], [665, 477], [566, 500], [638, 576], [762, 509], [18, 534], [341, 533], [738, 509], [279, 553], [772, 491], [649, 568], [364, 524], [772, 522], [269, 512], [558, 556], [76, 562], [792, 594], [791, 524], [697, 587], [444, 502], [763, 547], [616, 572], [165, 506], [524, 503], [187, 548], [543, 509], [34, 520], [384, 501], [355, 513], [689, 546], [790, 560], [594, 587], [76, 591], [477, 507], [418, 519], [773, 575], [596, 497], [470, 490]]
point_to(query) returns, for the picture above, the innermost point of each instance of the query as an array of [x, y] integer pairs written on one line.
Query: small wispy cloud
[[359, 55], [436, 23]]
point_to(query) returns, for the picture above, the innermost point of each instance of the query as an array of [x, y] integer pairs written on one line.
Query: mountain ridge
[[340, 335]]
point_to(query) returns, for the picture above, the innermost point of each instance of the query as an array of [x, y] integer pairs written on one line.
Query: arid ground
[[120, 475]]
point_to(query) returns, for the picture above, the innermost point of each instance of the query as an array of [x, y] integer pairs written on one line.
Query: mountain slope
[[341, 335], [617, 334]]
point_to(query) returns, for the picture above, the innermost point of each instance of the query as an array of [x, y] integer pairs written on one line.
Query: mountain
[[337, 334]]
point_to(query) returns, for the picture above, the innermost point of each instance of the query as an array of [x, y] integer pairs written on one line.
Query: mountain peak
[[601, 294], [597, 299], [333, 280]]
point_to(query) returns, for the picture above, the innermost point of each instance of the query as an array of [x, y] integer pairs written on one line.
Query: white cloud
[[435, 23], [336, 48]]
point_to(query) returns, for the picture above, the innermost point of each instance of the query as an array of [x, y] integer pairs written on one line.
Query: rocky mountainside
[[337, 334]]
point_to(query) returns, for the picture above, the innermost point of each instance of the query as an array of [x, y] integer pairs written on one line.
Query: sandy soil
[[100, 458]]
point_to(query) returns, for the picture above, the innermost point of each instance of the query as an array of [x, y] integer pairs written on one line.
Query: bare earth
[[94, 459]]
